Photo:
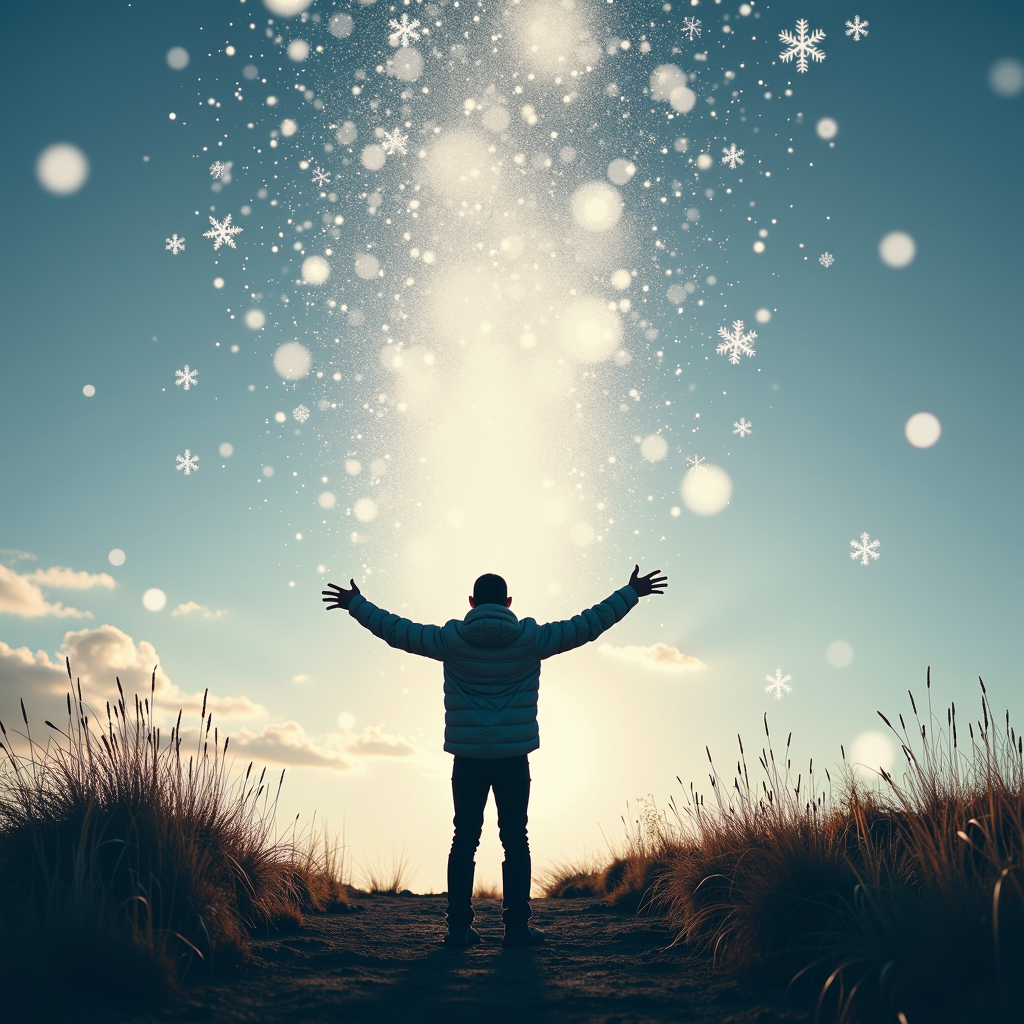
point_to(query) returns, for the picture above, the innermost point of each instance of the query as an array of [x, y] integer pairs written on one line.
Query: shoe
[[467, 936], [522, 935]]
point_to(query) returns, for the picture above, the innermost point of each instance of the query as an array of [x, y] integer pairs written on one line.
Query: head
[[490, 589]]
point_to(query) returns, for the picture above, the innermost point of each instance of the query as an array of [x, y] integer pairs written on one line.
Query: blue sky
[[924, 146]]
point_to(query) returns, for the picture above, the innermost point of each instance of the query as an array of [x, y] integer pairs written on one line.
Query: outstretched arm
[[402, 634], [559, 637]]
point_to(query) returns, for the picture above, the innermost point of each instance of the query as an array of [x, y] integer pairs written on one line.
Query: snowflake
[[301, 413], [802, 45], [736, 343], [217, 169], [222, 232], [743, 428], [175, 244], [395, 142], [691, 28], [188, 462], [865, 549], [778, 684], [190, 378], [320, 177], [826, 259], [732, 155], [857, 28], [404, 31], [696, 462]]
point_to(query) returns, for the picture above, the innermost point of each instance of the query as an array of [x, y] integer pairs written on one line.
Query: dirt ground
[[386, 964]]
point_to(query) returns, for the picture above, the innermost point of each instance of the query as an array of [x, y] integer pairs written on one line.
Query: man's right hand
[[339, 597], [652, 583]]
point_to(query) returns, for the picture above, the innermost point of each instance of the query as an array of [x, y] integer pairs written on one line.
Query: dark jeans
[[472, 780]]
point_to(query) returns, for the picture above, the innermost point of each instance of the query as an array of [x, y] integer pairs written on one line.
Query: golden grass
[[382, 879], [902, 898], [487, 891], [123, 855]]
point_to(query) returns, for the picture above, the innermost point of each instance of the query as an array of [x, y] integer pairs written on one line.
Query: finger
[[354, 587]]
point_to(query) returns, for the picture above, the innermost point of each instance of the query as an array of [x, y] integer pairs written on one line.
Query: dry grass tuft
[[487, 891], [133, 857], [380, 879]]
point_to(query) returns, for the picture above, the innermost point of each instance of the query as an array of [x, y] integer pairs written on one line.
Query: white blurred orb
[[255, 319], [407, 64], [590, 331], [226, 450], [870, 751], [664, 79], [62, 168], [340, 26], [89, 390], [378, 468], [827, 128], [704, 161], [923, 429], [706, 493], [676, 294], [286, 8], [116, 557], [762, 316], [346, 721], [682, 99], [496, 118], [268, 471], [621, 279], [292, 360], [154, 600], [582, 534], [298, 50], [327, 499], [218, 282], [897, 249], [373, 157], [1006, 77], [365, 509], [315, 270], [367, 266], [620, 172], [596, 206], [288, 127], [280, 417], [346, 134], [839, 654], [177, 58], [353, 467], [654, 448]]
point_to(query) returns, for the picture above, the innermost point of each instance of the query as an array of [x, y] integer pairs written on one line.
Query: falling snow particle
[[188, 462], [222, 231], [865, 549], [403, 32], [301, 413], [826, 259], [175, 244], [802, 45], [320, 177], [691, 28], [188, 378], [395, 142], [778, 684], [743, 427], [732, 156], [736, 343], [694, 462], [857, 28], [217, 169]]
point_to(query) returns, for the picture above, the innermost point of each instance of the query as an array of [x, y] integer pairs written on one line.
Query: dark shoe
[[467, 936], [522, 935]]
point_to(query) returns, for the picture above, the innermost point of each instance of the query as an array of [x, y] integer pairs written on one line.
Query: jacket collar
[[491, 611]]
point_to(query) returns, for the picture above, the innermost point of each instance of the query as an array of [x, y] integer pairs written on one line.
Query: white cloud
[[658, 657], [71, 579], [190, 607], [22, 594]]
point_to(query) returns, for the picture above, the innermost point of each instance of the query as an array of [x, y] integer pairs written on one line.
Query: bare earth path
[[386, 964]]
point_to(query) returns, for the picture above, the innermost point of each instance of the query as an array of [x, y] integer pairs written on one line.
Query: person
[[491, 681]]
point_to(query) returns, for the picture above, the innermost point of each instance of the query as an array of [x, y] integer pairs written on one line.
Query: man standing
[[491, 680]]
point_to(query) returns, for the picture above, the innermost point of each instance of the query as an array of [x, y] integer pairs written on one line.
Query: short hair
[[490, 589]]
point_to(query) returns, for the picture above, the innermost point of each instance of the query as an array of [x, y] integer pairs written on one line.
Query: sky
[[471, 323]]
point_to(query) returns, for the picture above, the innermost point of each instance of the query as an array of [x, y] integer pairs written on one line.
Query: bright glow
[[1006, 77], [706, 493], [268, 471], [315, 270], [226, 450], [664, 79], [177, 58], [373, 157], [367, 266], [365, 509], [340, 26], [89, 390], [620, 172], [298, 50], [154, 600], [762, 316], [116, 557], [654, 448], [839, 654], [62, 168], [582, 534], [327, 499], [870, 752], [682, 99], [255, 319], [827, 128], [353, 467], [286, 8], [621, 279], [897, 249], [591, 332], [346, 721], [704, 161], [292, 361], [596, 206], [288, 127], [923, 429]]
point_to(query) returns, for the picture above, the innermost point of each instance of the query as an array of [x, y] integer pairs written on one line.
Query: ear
[[472, 603], [508, 602]]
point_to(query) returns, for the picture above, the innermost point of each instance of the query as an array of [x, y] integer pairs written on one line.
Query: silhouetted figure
[[491, 679]]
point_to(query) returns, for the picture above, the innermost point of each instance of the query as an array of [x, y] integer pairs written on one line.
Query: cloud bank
[[22, 595], [658, 657]]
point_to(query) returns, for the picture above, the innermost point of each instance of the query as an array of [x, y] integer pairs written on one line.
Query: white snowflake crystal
[[175, 244], [865, 549], [691, 28], [301, 413], [802, 45], [222, 231], [826, 259], [320, 177], [190, 378], [732, 156], [857, 28], [188, 462], [217, 169], [403, 32], [694, 462], [778, 684], [395, 142], [736, 343], [743, 427]]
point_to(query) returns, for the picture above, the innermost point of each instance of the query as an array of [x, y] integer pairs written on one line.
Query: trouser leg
[[470, 797], [513, 799]]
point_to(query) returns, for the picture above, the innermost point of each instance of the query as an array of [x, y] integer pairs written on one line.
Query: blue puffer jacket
[[492, 666]]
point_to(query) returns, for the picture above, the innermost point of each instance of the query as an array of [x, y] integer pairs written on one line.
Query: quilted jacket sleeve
[[559, 637], [403, 634]]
